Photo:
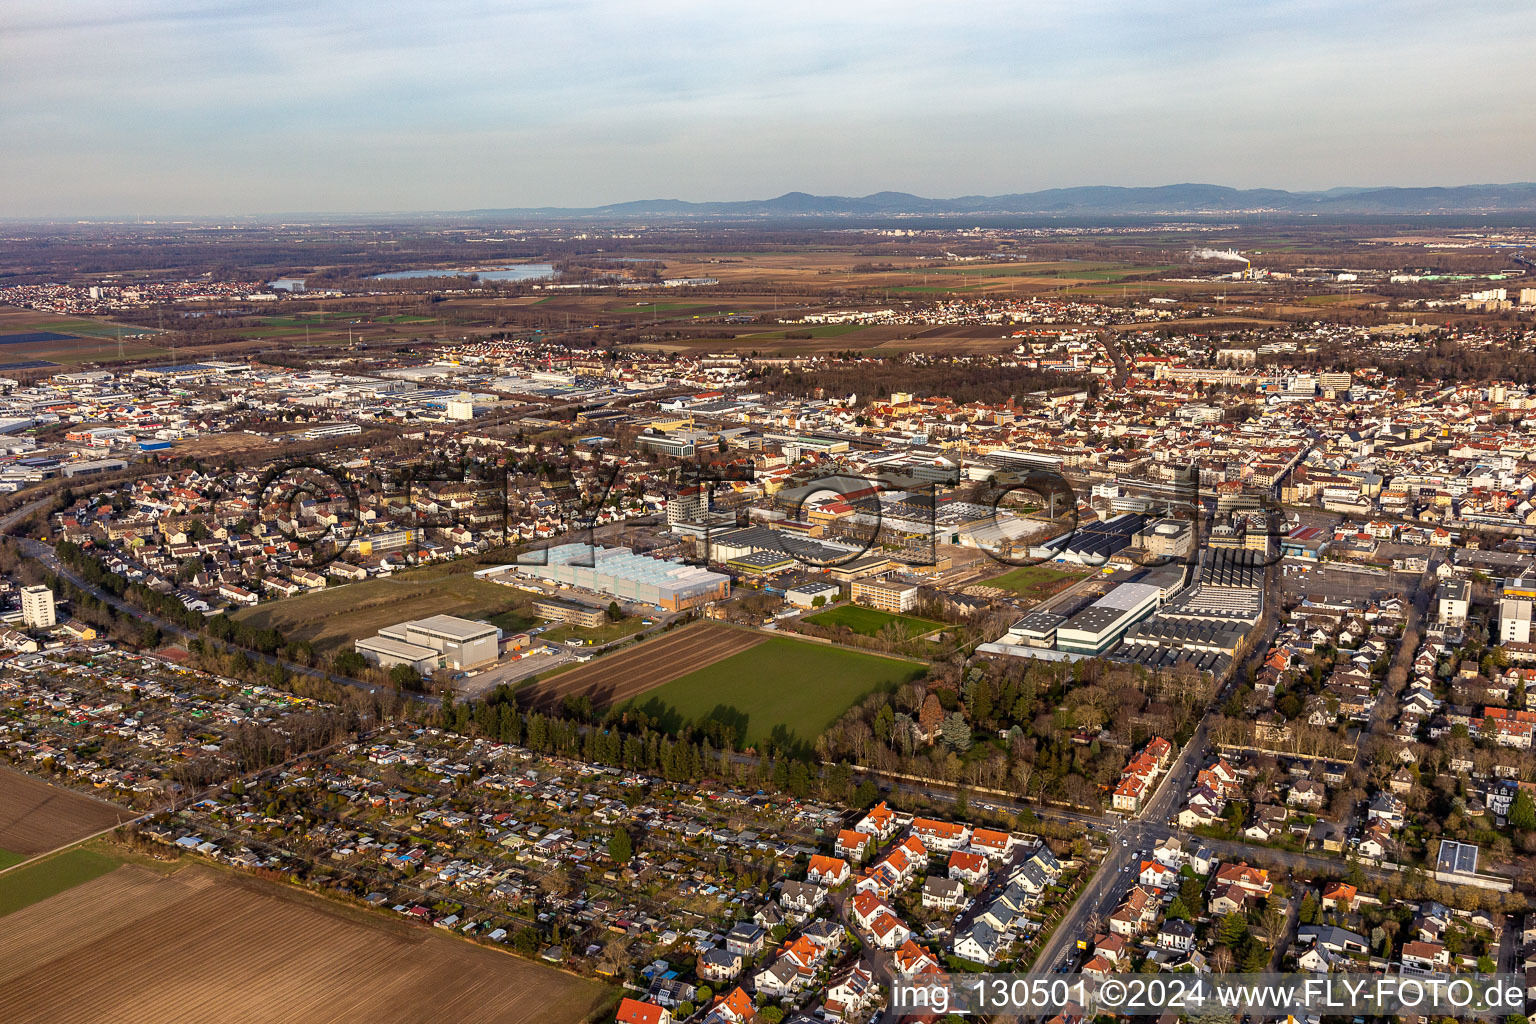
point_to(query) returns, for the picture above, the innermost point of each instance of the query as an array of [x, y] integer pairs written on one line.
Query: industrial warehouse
[[440, 641], [619, 572], [1152, 618]]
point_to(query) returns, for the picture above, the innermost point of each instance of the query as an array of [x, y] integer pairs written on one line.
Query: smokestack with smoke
[[1219, 254]]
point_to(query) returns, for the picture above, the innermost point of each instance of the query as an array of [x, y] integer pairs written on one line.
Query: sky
[[209, 107]]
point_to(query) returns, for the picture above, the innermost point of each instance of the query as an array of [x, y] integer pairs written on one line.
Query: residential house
[[852, 845], [879, 821], [970, 868], [991, 843], [828, 871], [746, 939], [1227, 899], [944, 836], [1339, 896], [1177, 936], [719, 964], [1332, 938], [1254, 880], [1159, 876], [735, 1007], [943, 893], [980, 944], [850, 994], [635, 1011], [801, 899], [1307, 793], [888, 931], [1428, 956]]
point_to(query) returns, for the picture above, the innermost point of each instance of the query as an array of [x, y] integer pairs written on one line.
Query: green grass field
[[870, 621], [1036, 581], [606, 633], [658, 307], [783, 689], [36, 882], [7, 858], [517, 620], [337, 615]]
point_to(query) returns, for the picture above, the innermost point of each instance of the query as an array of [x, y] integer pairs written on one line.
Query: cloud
[[234, 107]]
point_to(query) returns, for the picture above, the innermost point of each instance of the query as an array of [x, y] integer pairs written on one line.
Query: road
[[1130, 842], [1402, 663], [1117, 356], [8, 523]]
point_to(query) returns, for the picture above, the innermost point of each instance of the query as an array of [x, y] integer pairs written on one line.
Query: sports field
[[782, 688], [140, 946], [870, 621]]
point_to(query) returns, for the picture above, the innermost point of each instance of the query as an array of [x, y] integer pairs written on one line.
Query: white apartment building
[[37, 609]]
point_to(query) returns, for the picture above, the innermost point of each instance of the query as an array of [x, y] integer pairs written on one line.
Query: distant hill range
[[1091, 200]]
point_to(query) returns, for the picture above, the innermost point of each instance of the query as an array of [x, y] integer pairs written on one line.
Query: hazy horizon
[[198, 109]]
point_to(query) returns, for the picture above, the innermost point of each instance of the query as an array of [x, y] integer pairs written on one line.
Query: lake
[[517, 272]]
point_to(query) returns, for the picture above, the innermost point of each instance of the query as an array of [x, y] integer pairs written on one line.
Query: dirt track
[[645, 666]]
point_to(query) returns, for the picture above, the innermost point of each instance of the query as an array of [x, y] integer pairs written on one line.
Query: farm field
[[650, 663], [69, 340], [36, 817], [1032, 581], [50, 876], [785, 689], [18, 321], [870, 621], [140, 946], [337, 615]]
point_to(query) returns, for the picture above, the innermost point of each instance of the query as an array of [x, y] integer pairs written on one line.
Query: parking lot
[[1320, 582], [513, 670]]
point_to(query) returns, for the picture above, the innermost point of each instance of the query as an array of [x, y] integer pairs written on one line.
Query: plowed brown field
[[136, 947], [36, 817], [645, 666]]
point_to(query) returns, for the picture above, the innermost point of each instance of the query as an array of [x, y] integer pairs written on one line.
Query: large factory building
[[619, 572]]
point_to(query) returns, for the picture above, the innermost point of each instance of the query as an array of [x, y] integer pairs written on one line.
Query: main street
[[1132, 839]]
